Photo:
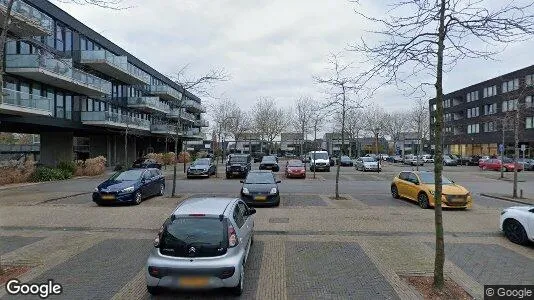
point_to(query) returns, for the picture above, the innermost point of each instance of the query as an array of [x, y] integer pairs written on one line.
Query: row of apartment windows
[[510, 85], [490, 109], [473, 112], [473, 128], [472, 96], [489, 91]]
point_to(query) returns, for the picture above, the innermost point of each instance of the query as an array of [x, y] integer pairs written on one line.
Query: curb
[[62, 197], [506, 199]]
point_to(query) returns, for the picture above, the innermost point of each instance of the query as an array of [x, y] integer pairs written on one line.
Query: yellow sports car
[[420, 186]]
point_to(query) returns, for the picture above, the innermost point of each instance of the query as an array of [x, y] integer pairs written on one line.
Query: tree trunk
[[516, 149], [126, 147], [342, 142], [503, 148], [438, 164], [315, 142], [175, 166]]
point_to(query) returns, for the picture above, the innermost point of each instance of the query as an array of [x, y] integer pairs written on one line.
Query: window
[[434, 107], [448, 117], [60, 105], [68, 39], [473, 128], [68, 107], [529, 80], [59, 37], [447, 103], [490, 109], [528, 101], [529, 123], [490, 127], [511, 85], [489, 91], [239, 218], [472, 96], [473, 112], [509, 105], [448, 129]]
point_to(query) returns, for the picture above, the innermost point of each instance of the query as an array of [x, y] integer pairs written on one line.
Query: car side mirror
[[251, 211], [242, 181], [278, 181]]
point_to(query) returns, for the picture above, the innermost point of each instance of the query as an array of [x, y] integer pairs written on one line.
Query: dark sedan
[[345, 161], [145, 163], [260, 188], [130, 186], [202, 167], [269, 163]]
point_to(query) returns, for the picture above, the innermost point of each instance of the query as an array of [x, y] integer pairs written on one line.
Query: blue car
[[130, 186]]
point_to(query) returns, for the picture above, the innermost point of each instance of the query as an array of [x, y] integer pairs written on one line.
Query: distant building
[[408, 143], [364, 145]]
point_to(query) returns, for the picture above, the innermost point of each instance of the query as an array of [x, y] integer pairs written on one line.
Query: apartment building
[[65, 81]]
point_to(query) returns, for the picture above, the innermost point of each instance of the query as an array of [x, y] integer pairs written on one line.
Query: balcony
[[19, 103], [26, 20], [194, 134], [57, 72], [148, 104], [112, 65], [113, 120], [165, 92], [166, 129], [194, 106], [202, 123]]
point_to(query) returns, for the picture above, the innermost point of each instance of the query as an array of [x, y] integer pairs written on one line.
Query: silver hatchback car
[[203, 245]]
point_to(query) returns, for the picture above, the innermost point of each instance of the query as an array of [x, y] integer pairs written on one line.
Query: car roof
[[205, 205]]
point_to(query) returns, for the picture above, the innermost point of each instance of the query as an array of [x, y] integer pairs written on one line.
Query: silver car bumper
[[207, 267]]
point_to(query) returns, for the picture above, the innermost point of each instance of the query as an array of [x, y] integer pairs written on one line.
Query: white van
[[319, 160]]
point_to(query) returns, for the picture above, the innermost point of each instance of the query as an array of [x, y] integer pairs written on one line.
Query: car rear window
[[269, 159], [295, 163], [238, 159], [194, 237]]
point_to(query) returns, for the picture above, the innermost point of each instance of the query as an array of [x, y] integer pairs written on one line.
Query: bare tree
[[303, 112], [342, 90], [239, 123], [269, 120], [419, 120], [376, 121], [396, 125], [354, 126], [433, 38]]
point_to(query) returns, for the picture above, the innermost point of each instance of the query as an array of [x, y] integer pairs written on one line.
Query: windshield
[[260, 178], [238, 159], [345, 158], [368, 159], [130, 175], [295, 163], [206, 235], [322, 155], [201, 162], [507, 160], [428, 178]]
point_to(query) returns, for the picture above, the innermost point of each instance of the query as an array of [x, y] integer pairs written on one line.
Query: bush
[[68, 166], [16, 171], [184, 156], [169, 158], [92, 166], [50, 174]]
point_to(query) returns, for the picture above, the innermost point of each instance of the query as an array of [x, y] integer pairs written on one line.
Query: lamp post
[[376, 141]]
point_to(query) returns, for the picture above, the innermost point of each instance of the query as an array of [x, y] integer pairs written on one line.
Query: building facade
[[478, 118], [82, 93], [354, 147]]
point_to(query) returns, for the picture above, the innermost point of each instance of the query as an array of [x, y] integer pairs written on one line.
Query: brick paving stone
[[333, 270], [381, 199], [11, 243], [302, 200]]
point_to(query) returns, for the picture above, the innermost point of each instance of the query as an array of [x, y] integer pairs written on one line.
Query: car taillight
[[158, 237], [154, 272], [232, 237]]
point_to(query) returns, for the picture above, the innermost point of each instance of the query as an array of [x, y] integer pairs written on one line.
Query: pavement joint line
[[506, 199], [60, 198], [272, 277], [134, 289]]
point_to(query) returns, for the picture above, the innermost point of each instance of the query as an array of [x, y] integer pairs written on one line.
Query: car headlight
[[432, 192], [468, 194], [245, 191], [97, 190], [227, 168], [205, 169], [273, 191], [503, 211], [128, 190]]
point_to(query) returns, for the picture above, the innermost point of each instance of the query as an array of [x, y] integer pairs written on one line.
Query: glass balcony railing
[[22, 10], [148, 102], [119, 62], [61, 67], [165, 90], [106, 116], [163, 128], [26, 100], [195, 105], [202, 123]]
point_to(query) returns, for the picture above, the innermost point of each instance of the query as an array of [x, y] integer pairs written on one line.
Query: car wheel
[[504, 169], [422, 200], [161, 189], [515, 232], [395, 192], [328, 170], [227, 176], [238, 290], [138, 198], [484, 168], [153, 290]]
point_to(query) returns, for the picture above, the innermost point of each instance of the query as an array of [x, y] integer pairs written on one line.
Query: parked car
[[394, 159], [332, 161], [204, 244], [295, 168], [483, 159], [269, 163], [384, 157], [238, 165], [345, 161], [528, 164], [367, 164], [258, 156], [319, 160], [517, 223], [474, 160], [427, 158], [131, 186], [144, 163], [420, 187], [260, 188], [202, 167], [496, 164], [413, 160], [449, 161]]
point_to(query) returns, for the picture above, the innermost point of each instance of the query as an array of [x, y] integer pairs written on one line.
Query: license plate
[[193, 282], [260, 198], [235, 173], [108, 197]]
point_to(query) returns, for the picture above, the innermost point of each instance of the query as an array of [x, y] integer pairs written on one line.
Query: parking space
[[301, 200]]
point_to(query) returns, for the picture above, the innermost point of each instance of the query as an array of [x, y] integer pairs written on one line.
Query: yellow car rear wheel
[[394, 192], [422, 200]]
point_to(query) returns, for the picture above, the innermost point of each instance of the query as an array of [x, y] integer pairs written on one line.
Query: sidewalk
[[505, 197]]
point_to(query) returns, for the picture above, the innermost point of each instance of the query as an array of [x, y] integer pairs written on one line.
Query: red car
[[495, 164], [296, 169]]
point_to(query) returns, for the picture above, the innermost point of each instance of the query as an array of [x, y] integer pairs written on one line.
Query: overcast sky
[[270, 47]]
